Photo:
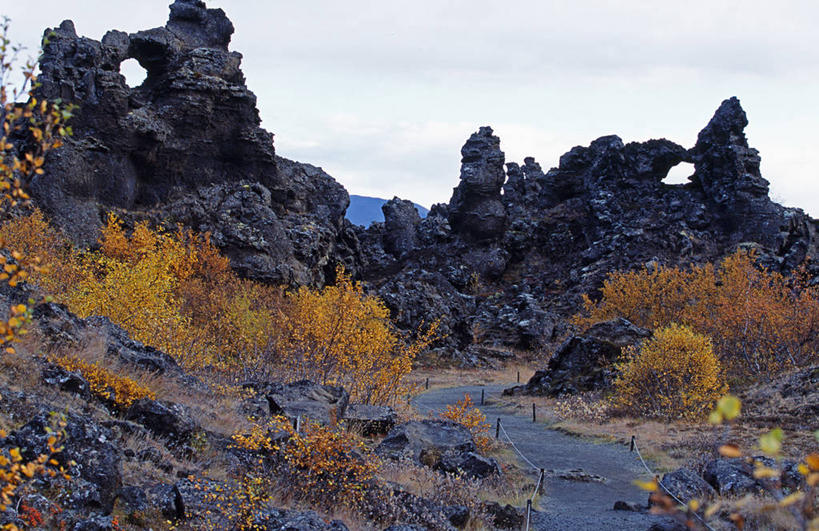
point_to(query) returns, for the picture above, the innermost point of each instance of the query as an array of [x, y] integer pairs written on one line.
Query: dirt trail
[[571, 504]]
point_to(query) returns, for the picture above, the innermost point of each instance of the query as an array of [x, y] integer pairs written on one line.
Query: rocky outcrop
[[401, 220], [476, 210], [438, 444], [183, 147], [61, 328], [686, 485], [519, 261], [584, 363], [307, 400]]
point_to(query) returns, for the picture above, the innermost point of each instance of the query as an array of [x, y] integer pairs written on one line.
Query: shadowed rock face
[[476, 210], [184, 147]]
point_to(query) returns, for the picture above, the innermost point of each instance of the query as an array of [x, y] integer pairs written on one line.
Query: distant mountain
[[364, 210]]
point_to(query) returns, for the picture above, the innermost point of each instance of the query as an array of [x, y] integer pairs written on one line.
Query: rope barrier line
[[503, 429], [660, 483]]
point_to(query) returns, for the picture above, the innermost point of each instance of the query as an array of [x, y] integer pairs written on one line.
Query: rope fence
[[635, 448], [500, 429]]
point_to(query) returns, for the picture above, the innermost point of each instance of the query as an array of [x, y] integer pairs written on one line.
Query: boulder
[[70, 382], [163, 419], [686, 485], [426, 442], [471, 465], [504, 516], [732, 476], [325, 404], [584, 363], [370, 420], [96, 472]]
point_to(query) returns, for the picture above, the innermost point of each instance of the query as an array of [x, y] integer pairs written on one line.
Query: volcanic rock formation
[[184, 147], [501, 265]]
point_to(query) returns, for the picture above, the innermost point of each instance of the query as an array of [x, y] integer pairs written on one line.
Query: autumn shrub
[[760, 322], [321, 464], [466, 414], [340, 335], [121, 390], [674, 374]]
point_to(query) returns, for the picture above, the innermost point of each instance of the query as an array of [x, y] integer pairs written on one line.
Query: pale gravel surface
[[566, 504]]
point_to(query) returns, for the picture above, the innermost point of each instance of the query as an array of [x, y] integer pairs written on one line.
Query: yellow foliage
[[123, 390], [322, 464], [759, 321], [329, 465], [466, 414], [339, 335], [43, 125], [674, 374]]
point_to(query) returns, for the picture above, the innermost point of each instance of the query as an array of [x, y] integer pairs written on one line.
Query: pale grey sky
[[383, 93]]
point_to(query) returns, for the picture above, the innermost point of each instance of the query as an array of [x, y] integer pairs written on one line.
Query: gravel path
[[571, 504]]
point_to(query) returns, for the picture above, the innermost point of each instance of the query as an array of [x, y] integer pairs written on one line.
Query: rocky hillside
[[501, 265]]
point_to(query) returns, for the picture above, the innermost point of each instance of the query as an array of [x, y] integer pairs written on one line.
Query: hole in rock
[[133, 72], [679, 174]]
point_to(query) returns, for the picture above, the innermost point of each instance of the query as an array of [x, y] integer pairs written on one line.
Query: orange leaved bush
[[175, 291], [121, 390], [466, 414], [339, 335], [759, 321]]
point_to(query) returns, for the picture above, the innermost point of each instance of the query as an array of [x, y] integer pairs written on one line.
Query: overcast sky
[[383, 93]]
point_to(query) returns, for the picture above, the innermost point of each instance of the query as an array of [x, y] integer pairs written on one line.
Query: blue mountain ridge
[[364, 210]]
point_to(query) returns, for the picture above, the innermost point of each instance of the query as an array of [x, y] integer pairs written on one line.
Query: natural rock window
[[679, 174], [134, 73]]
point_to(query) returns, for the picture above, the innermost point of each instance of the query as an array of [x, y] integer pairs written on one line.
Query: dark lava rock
[[96, 523], [70, 382], [97, 474], [471, 465], [185, 144], [370, 420], [401, 220], [502, 265], [504, 516], [416, 512], [476, 209], [426, 442], [458, 515], [686, 485], [320, 403], [294, 520], [584, 363], [163, 419], [731, 476], [62, 328], [628, 506]]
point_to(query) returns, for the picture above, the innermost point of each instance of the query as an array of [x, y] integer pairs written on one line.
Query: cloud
[[383, 94]]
